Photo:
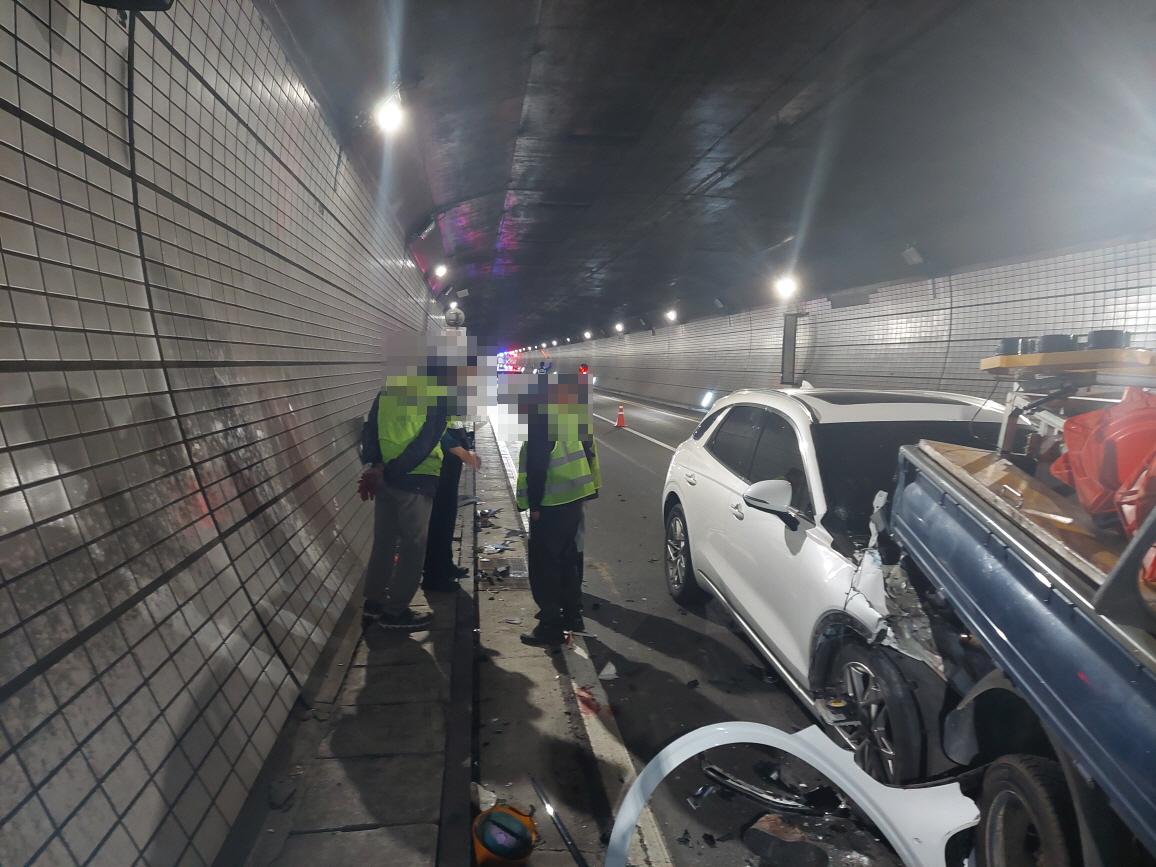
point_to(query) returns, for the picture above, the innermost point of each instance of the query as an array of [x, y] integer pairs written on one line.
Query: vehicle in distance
[[768, 507]]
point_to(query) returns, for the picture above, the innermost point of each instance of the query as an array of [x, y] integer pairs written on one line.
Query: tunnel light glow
[[389, 115], [672, 315], [543, 345], [567, 339], [619, 327], [441, 271], [707, 399], [586, 335], [594, 381], [453, 305], [553, 342], [786, 286]]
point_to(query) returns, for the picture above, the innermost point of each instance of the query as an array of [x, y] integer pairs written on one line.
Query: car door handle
[[737, 510], [691, 479]]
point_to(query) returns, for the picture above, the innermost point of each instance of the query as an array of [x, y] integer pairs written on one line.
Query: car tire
[[679, 569], [1026, 815], [883, 726]]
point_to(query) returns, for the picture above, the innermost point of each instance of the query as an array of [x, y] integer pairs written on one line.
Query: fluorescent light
[[389, 115], [672, 315], [619, 327], [441, 271], [707, 399], [586, 334], [786, 286]]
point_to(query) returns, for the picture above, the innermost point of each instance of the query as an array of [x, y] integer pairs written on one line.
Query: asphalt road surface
[[677, 669]]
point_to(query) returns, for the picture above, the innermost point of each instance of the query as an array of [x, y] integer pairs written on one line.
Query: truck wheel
[[1026, 815], [680, 580], [881, 722]]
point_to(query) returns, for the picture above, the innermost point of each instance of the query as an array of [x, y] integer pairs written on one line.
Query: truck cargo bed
[[1020, 566]]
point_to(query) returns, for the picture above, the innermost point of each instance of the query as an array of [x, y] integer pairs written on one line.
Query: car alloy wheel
[[677, 553], [866, 726], [680, 580]]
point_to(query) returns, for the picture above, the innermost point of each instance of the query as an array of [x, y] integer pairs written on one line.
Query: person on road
[[441, 574], [401, 443], [557, 473]]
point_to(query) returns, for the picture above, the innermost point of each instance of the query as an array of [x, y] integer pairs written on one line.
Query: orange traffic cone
[[621, 420]]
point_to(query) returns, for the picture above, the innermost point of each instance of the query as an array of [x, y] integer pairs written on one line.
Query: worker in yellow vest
[[557, 473], [402, 442]]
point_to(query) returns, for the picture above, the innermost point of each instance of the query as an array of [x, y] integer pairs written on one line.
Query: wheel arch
[[992, 720], [831, 632]]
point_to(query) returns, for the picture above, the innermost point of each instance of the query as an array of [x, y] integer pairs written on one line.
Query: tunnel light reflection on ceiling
[[707, 399], [389, 115]]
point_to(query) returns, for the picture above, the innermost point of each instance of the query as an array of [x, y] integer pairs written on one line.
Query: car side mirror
[[774, 497]]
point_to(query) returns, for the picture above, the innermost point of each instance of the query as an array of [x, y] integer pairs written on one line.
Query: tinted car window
[[857, 459], [735, 440], [777, 456], [705, 424]]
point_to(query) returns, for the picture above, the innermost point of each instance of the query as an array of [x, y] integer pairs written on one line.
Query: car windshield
[[858, 459]]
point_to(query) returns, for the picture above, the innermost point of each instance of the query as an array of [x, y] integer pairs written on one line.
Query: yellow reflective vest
[[401, 411]]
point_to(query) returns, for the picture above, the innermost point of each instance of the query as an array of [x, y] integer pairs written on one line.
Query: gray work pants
[[400, 527]]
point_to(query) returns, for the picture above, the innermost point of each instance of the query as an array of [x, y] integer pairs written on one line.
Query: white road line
[[647, 406], [617, 770], [631, 430]]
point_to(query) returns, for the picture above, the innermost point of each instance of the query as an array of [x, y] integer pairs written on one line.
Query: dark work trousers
[[400, 524], [555, 580], [439, 549]]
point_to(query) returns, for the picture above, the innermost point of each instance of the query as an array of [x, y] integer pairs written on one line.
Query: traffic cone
[[621, 420]]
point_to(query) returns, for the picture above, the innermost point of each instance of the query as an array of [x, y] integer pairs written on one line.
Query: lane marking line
[[629, 430], [647, 406], [617, 770]]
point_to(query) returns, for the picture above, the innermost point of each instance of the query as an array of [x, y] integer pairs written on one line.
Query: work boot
[[543, 636], [408, 621]]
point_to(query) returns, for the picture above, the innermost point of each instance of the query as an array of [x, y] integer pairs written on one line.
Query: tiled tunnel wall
[[189, 335], [919, 334]]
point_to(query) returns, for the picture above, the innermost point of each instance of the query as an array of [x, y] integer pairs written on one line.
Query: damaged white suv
[[768, 507]]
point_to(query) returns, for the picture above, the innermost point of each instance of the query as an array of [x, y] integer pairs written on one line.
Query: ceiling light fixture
[[786, 286], [553, 342], [453, 305], [619, 327], [672, 315], [586, 335], [389, 115], [441, 271]]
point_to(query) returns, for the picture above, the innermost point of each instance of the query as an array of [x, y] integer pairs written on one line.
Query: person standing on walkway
[[401, 443], [441, 573], [557, 473]]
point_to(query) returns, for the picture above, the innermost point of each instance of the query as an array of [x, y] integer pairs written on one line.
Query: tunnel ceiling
[[589, 161]]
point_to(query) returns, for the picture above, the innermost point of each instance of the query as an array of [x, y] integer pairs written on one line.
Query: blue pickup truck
[[1055, 676]]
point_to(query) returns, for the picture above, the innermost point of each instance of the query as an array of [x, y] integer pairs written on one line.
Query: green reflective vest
[[401, 412], [570, 476]]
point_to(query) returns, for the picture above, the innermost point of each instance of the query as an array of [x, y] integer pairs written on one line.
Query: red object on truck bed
[[1111, 462]]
